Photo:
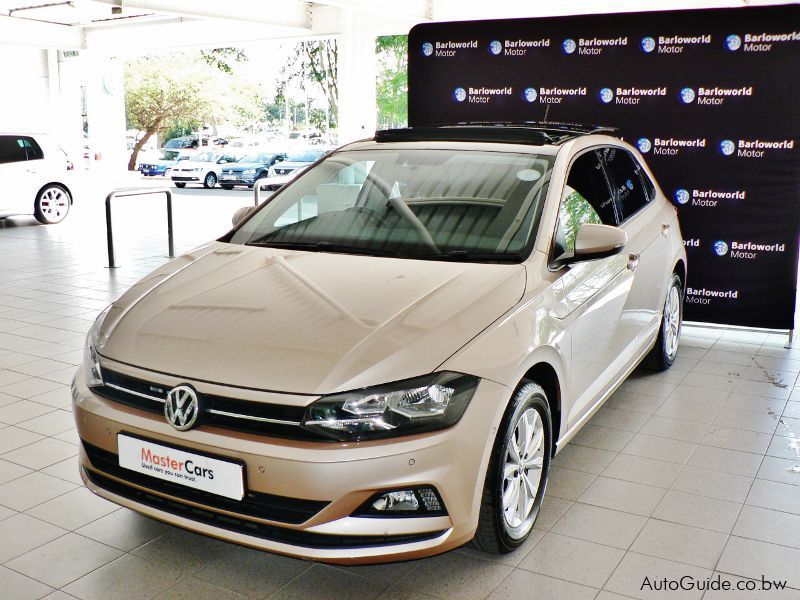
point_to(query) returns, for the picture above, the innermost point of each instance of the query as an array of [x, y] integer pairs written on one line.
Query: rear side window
[[32, 149], [12, 149], [627, 177]]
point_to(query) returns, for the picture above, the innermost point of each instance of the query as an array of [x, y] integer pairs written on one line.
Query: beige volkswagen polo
[[380, 361]]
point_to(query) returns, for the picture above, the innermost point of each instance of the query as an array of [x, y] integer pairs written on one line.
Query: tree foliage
[[392, 80], [224, 59], [314, 63]]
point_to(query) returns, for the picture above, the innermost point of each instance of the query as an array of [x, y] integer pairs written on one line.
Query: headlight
[[91, 359], [249, 172], [411, 406]]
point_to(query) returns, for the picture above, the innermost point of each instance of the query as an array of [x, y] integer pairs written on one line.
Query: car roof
[[528, 133]]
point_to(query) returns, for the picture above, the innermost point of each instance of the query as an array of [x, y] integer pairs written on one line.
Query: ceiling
[[135, 26]]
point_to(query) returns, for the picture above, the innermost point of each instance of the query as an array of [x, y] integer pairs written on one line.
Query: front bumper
[[334, 479], [185, 178], [236, 179]]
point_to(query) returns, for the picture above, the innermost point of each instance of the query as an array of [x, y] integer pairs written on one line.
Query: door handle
[[665, 229], [633, 261]]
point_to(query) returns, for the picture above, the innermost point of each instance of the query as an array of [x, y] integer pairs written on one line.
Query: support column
[[356, 75]]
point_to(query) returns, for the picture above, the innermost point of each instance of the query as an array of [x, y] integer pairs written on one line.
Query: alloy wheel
[[672, 322], [522, 472], [54, 204]]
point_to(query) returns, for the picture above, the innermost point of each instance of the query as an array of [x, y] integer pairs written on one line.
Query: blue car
[[160, 167], [249, 168]]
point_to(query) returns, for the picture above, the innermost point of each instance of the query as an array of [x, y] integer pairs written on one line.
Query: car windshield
[[305, 156], [206, 157], [257, 158], [460, 205], [178, 143], [169, 155]]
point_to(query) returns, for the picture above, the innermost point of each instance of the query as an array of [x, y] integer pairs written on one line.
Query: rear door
[[643, 221], [15, 195], [596, 293]]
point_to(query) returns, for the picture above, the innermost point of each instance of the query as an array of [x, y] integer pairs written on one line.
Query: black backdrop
[[710, 97]]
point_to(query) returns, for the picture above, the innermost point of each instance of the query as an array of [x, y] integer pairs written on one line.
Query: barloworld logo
[[644, 145], [530, 94], [705, 296], [720, 248], [517, 47], [591, 46], [447, 48], [648, 44], [733, 42], [681, 196], [568, 46], [480, 95], [460, 94], [606, 95], [727, 147], [687, 95], [495, 47], [427, 49]]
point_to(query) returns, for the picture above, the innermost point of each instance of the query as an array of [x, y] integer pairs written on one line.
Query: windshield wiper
[[467, 256], [325, 247]]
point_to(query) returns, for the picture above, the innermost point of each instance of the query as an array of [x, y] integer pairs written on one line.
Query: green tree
[[314, 62], [392, 80], [162, 93]]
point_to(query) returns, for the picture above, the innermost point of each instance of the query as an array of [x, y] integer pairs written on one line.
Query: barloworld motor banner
[[711, 99]]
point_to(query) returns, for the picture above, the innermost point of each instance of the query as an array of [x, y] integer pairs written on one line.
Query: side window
[[12, 149], [32, 149], [628, 179], [586, 199]]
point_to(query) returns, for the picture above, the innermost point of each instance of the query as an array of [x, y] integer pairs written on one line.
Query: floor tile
[[15, 586], [14, 437], [735, 462], [520, 583], [32, 489], [9, 471], [51, 423], [747, 420], [126, 578], [12, 414], [73, 509], [567, 483], [123, 529], [183, 550], [713, 484], [642, 470], [783, 447], [604, 438], [776, 496], [22, 533], [42, 453], [600, 525], [736, 439], [676, 429], [637, 574], [195, 589], [784, 470], [616, 418], [622, 495], [63, 560], [687, 410], [450, 575], [680, 543], [697, 511], [659, 448], [753, 558], [324, 582], [574, 560], [583, 458], [768, 526]]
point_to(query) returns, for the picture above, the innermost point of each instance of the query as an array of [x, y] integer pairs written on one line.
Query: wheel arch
[[680, 270], [64, 186], [544, 374]]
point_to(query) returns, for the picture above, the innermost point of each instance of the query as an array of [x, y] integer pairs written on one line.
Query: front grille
[[274, 533], [254, 504], [260, 418]]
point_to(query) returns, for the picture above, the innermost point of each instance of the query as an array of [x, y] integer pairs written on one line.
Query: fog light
[[413, 502], [403, 500]]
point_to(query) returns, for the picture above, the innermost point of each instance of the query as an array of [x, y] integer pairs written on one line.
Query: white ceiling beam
[[38, 34], [283, 13], [416, 9]]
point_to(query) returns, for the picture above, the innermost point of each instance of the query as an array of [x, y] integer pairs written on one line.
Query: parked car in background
[[37, 177], [276, 182], [203, 168], [297, 159], [249, 168], [162, 166], [380, 362], [245, 142]]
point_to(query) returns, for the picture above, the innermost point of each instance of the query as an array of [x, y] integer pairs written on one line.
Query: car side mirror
[[241, 214], [598, 241]]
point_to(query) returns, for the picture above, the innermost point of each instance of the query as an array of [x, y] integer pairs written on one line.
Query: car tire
[[180, 184], [52, 204], [210, 181], [504, 525], [663, 354], [226, 187]]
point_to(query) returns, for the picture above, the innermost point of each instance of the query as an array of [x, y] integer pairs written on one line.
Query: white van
[[35, 171]]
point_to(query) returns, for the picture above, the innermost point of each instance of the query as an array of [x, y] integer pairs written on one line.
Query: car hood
[[245, 166], [193, 164], [304, 322], [291, 165]]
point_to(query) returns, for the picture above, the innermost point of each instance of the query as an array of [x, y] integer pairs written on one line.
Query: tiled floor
[[694, 472]]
